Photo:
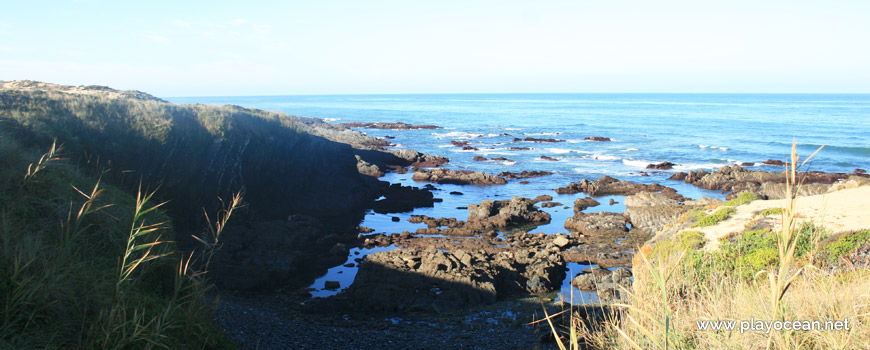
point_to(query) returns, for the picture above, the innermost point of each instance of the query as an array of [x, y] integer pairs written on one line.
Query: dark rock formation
[[610, 186], [581, 204], [607, 284], [391, 126], [766, 185], [460, 143], [479, 159], [525, 174], [661, 166], [597, 139], [432, 280], [601, 223], [520, 148], [265, 255], [398, 199], [417, 159], [459, 177], [549, 158], [500, 159], [774, 162], [469, 148]]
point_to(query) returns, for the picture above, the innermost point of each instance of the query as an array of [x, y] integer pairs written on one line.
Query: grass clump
[[85, 265], [845, 244], [715, 218], [742, 199], [770, 211]]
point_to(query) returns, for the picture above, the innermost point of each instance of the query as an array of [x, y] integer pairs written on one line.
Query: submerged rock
[[458, 177]]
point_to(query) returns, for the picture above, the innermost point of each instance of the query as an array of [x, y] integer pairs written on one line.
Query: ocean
[[693, 131]]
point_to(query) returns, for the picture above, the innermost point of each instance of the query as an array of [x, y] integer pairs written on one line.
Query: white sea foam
[[445, 146], [703, 146], [723, 148], [492, 135], [629, 150], [513, 129], [714, 147], [605, 157], [509, 162], [559, 150], [456, 135], [331, 119], [636, 163], [542, 133], [573, 141]]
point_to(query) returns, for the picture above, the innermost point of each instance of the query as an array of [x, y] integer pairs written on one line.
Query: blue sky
[[199, 48]]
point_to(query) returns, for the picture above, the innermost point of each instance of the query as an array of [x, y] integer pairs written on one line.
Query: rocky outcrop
[[661, 166], [398, 199], [422, 160], [600, 224], [607, 284], [265, 255], [581, 204], [610, 186], [432, 280], [767, 185], [390, 126], [597, 139], [549, 158], [486, 217], [479, 159], [525, 174], [458, 177], [367, 168], [651, 212]]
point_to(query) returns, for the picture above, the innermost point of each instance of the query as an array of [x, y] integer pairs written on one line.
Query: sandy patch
[[840, 211]]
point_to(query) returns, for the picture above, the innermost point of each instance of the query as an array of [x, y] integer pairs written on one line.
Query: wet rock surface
[[610, 186], [458, 177], [766, 185], [601, 223], [608, 285], [580, 204], [434, 280], [525, 174], [661, 166], [597, 139]]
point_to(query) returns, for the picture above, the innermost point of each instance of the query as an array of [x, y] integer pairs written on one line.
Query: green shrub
[[715, 217], [846, 244], [770, 211], [742, 198]]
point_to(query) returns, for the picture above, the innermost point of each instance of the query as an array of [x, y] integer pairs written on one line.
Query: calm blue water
[[696, 131]]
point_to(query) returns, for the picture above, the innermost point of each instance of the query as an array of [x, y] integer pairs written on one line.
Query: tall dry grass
[[671, 296]]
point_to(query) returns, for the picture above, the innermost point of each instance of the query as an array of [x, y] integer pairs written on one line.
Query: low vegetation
[[680, 294], [85, 265], [716, 217]]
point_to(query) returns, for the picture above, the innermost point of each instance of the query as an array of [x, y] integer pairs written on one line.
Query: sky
[[226, 48]]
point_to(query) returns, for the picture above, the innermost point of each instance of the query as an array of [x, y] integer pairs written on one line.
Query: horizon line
[[530, 93]]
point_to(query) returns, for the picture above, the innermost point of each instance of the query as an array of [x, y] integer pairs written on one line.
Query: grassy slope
[[59, 284], [196, 152]]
